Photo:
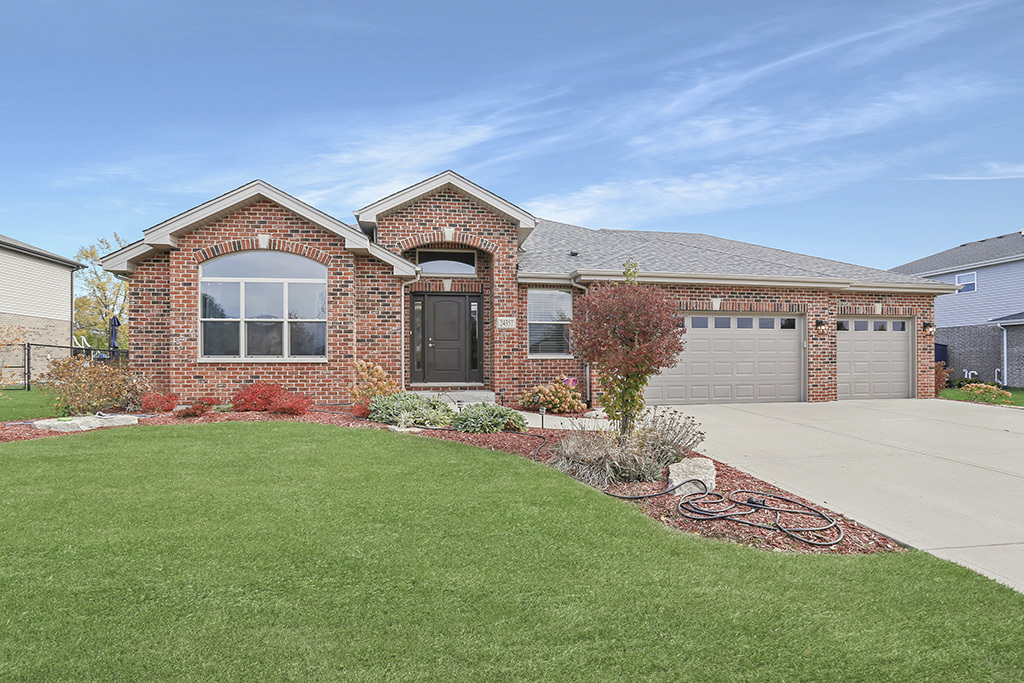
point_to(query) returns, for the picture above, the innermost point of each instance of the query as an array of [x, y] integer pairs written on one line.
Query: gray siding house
[[983, 322]]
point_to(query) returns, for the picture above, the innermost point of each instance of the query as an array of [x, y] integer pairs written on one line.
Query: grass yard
[[18, 404], [277, 550], [1016, 396]]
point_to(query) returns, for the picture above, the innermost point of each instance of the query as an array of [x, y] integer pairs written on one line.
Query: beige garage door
[[730, 358], [874, 358]]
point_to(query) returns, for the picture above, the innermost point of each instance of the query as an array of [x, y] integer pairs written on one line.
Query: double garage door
[[758, 358], [734, 358]]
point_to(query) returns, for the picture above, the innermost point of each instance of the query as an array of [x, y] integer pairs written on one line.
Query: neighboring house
[[983, 322], [36, 292], [449, 286]]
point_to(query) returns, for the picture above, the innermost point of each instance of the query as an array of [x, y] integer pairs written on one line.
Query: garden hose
[[690, 506]]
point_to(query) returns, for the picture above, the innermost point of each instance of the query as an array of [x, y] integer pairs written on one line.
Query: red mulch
[[857, 538]]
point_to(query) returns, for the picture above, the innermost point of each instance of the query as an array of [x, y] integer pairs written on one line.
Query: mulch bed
[[857, 538]]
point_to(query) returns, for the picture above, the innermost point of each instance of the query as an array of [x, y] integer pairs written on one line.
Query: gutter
[[590, 397], [1005, 378], [926, 287]]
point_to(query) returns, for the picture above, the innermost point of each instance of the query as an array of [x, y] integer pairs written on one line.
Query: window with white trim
[[263, 305], [548, 315], [969, 281]]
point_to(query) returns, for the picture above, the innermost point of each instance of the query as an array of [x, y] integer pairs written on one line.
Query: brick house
[[449, 286]]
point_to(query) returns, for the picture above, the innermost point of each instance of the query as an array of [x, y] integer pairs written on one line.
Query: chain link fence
[[22, 364]]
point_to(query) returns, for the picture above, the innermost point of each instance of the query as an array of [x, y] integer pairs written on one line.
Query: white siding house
[[36, 292], [982, 324]]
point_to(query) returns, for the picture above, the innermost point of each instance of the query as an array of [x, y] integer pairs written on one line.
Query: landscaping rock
[[691, 468], [84, 424], [404, 430]]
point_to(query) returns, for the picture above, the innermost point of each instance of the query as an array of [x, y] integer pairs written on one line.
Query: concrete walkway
[[942, 476]]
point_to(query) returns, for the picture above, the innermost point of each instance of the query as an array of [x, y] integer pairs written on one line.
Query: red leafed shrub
[[628, 331], [155, 402], [259, 397], [270, 398], [291, 404], [359, 410], [197, 408]]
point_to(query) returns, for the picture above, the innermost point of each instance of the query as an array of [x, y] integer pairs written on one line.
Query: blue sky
[[870, 132]]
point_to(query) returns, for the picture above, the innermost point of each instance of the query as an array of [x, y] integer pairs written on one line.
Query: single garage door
[[732, 358], [874, 358]]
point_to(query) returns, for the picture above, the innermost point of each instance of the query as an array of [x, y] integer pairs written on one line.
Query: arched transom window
[[263, 305]]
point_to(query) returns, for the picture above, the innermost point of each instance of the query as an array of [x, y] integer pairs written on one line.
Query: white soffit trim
[[164, 236], [368, 215], [584, 276]]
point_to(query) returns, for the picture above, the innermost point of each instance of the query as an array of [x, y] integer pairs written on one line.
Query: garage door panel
[[874, 362], [725, 362]]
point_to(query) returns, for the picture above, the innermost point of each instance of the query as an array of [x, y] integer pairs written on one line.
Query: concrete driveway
[[942, 476]]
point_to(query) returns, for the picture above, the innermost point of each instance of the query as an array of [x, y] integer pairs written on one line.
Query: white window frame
[[972, 281], [476, 259], [286, 356], [529, 322]]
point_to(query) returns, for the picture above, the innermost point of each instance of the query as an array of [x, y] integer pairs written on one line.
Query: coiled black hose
[[690, 506]]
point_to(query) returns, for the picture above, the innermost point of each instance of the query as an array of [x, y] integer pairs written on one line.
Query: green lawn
[[18, 404], [271, 551], [1016, 395]]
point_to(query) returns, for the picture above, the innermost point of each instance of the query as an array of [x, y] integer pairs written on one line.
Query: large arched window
[[263, 305]]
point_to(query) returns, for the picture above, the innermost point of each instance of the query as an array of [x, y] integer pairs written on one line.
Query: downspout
[[404, 345], [1006, 380], [590, 400]]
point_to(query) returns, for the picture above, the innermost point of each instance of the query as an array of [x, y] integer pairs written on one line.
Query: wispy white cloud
[[734, 186], [991, 170]]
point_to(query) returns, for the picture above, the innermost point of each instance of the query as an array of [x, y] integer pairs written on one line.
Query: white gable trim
[[368, 215], [164, 236]]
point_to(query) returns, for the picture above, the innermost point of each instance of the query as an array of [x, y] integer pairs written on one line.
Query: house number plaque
[[505, 323]]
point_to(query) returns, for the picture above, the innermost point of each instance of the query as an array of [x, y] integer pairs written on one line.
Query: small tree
[[628, 332], [101, 295]]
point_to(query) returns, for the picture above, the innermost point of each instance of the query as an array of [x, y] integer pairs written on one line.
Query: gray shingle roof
[[990, 249], [17, 245], [548, 250], [1008, 318]]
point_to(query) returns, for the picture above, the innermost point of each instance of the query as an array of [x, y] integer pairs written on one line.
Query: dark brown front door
[[448, 338]]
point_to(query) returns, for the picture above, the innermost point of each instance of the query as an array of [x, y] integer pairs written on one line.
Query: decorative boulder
[[691, 468]]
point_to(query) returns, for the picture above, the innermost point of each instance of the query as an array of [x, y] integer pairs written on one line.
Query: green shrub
[[81, 386], [489, 418], [598, 458], [558, 397], [409, 409]]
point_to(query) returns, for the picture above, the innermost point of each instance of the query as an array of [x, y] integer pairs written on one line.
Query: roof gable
[[525, 222], [164, 236], [22, 248]]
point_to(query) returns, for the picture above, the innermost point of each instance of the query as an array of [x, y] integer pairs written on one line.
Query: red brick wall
[[821, 350], [362, 310], [470, 225], [365, 311]]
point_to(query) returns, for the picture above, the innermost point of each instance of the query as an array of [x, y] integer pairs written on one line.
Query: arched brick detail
[[252, 244], [457, 237]]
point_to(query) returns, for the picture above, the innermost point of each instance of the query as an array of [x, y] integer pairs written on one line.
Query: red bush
[[359, 410], [197, 408], [259, 397], [155, 402], [291, 404], [270, 398]]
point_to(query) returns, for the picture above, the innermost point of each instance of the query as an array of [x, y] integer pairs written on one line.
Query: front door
[[447, 340]]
